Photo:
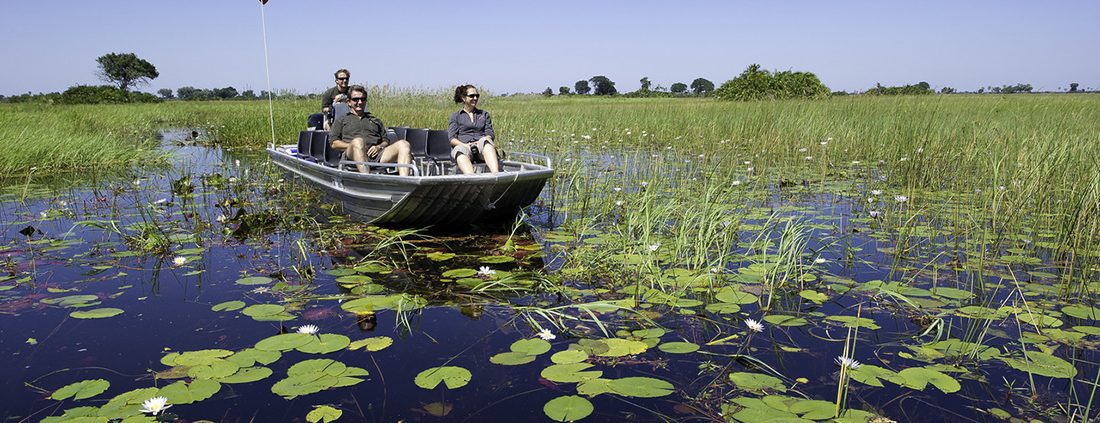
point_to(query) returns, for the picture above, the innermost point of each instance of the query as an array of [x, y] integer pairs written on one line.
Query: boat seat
[[304, 143], [318, 145], [332, 155], [418, 141], [399, 132]]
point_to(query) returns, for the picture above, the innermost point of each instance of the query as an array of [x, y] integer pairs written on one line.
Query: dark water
[[283, 226]]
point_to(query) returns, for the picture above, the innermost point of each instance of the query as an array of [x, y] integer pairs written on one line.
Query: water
[[240, 220]]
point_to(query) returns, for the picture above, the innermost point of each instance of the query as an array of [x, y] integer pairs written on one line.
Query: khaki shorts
[[465, 149]]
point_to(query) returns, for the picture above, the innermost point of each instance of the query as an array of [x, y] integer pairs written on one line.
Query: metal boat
[[434, 194]]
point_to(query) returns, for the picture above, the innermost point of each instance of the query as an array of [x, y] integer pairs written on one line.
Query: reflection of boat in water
[[434, 194]]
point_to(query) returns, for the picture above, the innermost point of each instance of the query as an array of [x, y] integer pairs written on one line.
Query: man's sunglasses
[[358, 99], [473, 95], [342, 79]]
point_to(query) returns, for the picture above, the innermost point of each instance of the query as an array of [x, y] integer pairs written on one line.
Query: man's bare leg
[[400, 152]]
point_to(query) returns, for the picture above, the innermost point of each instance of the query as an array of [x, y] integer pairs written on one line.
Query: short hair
[[460, 92], [337, 74], [358, 88]]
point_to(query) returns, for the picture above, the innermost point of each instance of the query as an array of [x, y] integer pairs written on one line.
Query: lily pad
[[440, 256], [641, 387], [569, 356], [757, 382], [532, 347], [678, 347], [228, 306], [569, 373], [98, 313], [512, 358], [254, 280], [81, 390], [496, 259], [323, 414], [284, 342], [568, 408], [452, 376], [247, 375], [377, 343], [1043, 364], [918, 377], [325, 343]]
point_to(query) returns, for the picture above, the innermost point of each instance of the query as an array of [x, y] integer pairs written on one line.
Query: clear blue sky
[[526, 46]]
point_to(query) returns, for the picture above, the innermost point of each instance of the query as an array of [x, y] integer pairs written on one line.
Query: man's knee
[[403, 146]]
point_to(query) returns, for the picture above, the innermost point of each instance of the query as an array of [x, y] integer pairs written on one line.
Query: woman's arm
[[452, 129], [489, 127]]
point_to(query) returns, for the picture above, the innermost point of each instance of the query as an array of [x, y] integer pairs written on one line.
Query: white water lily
[[901, 198], [849, 363], [736, 183], [155, 405], [802, 150], [876, 214], [644, 184], [486, 271], [876, 192], [619, 203], [754, 325], [654, 247], [546, 335], [179, 261], [617, 189], [222, 218], [809, 157], [819, 260], [309, 329]]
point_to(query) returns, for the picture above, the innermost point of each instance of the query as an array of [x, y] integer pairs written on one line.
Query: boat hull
[[442, 201]]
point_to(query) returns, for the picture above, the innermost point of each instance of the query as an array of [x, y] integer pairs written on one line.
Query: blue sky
[[526, 46]]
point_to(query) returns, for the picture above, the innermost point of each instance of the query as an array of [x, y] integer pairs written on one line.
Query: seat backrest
[[318, 145], [401, 131], [304, 142], [332, 155], [439, 145], [418, 141]]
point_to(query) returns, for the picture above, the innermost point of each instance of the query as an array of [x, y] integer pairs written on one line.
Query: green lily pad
[[247, 375], [1043, 364], [569, 356], [1082, 312], [459, 273], [641, 387], [284, 342], [733, 296], [918, 377], [871, 375], [512, 358], [260, 310], [951, 293], [254, 280], [195, 358], [452, 376], [618, 347], [217, 369], [81, 390], [569, 373], [340, 272], [249, 356], [440, 256], [496, 259], [757, 382], [531, 346], [228, 306], [377, 343], [678, 347], [785, 320], [853, 321], [323, 414], [567, 408], [98, 313], [325, 343]]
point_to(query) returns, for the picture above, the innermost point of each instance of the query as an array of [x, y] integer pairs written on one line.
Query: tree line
[[124, 71]]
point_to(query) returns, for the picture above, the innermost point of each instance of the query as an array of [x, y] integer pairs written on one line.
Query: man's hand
[[373, 150]]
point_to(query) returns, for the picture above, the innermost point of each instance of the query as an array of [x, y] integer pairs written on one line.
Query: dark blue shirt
[[466, 130]]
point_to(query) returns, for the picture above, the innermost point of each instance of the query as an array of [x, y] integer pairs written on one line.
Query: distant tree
[[920, 88], [165, 93], [563, 90], [248, 95], [660, 88], [947, 90], [1073, 87], [548, 92], [125, 70], [225, 93], [581, 87], [603, 85], [186, 93], [701, 86], [645, 84], [981, 90], [839, 93], [757, 84], [1013, 89], [679, 88]]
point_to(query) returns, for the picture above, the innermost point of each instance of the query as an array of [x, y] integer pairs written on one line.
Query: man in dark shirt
[[362, 136], [319, 120]]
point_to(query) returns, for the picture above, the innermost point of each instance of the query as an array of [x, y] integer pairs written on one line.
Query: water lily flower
[[260, 290], [42, 214], [754, 325], [587, 137], [619, 203], [736, 183], [645, 184], [546, 335], [824, 143], [920, 150], [617, 189], [654, 247], [137, 182], [802, 150], [819, 260], [237, 163], [901, 198], [161, 201], [876, 192], [746, 162], [876, 214], [486, 271], [179, 261], [155, 405], [309, 329], [855, 162], [849, 363], [63, 203], [809, 157], [221, 218]]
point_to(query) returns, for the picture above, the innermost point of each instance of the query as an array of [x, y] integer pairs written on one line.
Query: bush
[[920, 88], [756, 84], [103, 94]]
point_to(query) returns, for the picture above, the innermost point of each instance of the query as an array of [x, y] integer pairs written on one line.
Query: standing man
[[362, 136], [318, 120]]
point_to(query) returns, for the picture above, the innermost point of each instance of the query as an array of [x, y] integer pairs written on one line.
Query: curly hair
[[460, 92], [345, 71]]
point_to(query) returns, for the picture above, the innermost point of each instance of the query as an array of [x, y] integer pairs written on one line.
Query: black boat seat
[[319, 145], [304, 143]]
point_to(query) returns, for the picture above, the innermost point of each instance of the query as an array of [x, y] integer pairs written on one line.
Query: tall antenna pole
[[267, 70]]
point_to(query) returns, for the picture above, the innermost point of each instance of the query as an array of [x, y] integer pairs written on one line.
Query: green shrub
[[756, 84], [103, 94]]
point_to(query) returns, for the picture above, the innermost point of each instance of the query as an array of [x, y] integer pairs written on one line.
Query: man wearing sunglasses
[[362, 136], [317, 120]]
